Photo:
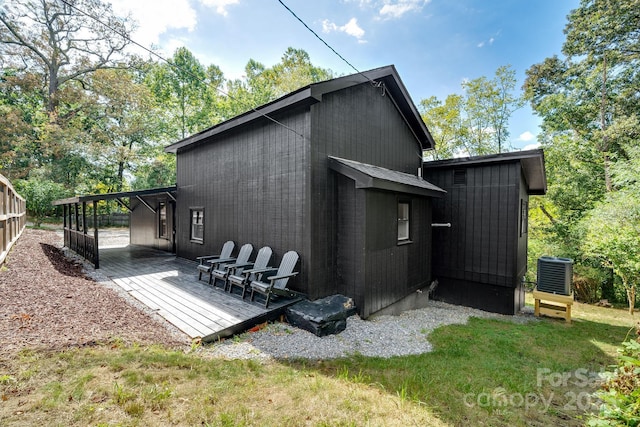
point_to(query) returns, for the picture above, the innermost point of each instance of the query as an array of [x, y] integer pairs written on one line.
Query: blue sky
[[434, 44]]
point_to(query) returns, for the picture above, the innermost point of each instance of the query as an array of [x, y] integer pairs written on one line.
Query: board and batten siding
[[251, 184], [359, 123], [482, 244], [391, 270], [371, 267]]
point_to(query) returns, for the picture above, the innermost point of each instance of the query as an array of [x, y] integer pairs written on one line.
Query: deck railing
[[83, 244], [13, 216], [76, 236]]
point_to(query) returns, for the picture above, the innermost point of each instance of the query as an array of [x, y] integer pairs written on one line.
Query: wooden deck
[[170, 286]]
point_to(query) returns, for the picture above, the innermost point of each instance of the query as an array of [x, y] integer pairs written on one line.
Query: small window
[[403, 221], [197, 225], [524, 217], [162, 220]]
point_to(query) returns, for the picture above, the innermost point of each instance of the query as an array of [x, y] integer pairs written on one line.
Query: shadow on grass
[[497, 373]]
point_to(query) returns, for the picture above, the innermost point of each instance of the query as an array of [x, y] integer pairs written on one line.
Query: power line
[[326, 44], [127, 37]]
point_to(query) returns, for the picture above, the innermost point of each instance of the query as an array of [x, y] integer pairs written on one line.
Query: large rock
[[322, 317]]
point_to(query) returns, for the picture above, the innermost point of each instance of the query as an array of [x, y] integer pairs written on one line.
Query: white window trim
[[404, 223], [192, 225]]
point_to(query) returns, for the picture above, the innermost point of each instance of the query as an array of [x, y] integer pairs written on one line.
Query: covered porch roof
[[76, 236], [171, 191]]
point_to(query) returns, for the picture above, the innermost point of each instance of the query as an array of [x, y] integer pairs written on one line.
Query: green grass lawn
[[487, 372]]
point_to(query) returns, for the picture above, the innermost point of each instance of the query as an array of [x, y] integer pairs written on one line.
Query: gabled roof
[[532, 166], [370, 176], [313, 93]]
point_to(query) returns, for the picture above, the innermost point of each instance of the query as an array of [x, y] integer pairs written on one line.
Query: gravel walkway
[[382, 336]]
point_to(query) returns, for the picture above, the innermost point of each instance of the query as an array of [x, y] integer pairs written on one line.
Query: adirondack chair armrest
[[202, 259], [283, 276], [259, 270], [220, 260], [238, 265]]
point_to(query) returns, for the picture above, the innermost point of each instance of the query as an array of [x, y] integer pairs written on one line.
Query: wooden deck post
[[64, 225], [96, 256], [84, 230]]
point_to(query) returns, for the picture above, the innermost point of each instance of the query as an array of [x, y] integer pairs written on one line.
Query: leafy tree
[[613, 226], [261, 85], [40, 193], [588, 103], [475, 123], [61, 41], [159, 172], [488, 106], [19, 118], [188, 92], [294, 71], [612, 236], [446, 123], [122, 125]]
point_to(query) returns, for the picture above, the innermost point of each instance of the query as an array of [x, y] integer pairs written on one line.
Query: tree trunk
[[120, 177], [631, 297], [603, 127], [52, 102]]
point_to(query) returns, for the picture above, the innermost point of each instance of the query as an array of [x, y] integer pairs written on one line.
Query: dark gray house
[[335, 172], [331, 173], [481, 259]]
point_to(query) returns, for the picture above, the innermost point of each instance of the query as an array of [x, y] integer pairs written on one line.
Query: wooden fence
[[13, 216]]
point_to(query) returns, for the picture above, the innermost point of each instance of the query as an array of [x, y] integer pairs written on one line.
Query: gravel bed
[[382, 336]]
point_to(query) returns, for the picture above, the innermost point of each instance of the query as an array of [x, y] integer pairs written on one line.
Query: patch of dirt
[[47, 302]]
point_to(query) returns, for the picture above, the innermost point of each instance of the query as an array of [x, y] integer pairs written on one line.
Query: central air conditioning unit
[[554, 275]]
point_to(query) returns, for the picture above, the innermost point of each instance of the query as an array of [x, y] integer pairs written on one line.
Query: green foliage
[[39, 194], [612, 228], [261, 84], [587, 283], [446, 123], [588, 103], [620, 393], [475, 123], [187, 92]]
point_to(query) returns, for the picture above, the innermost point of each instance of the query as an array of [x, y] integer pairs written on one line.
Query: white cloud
[[220, 5], [156, 17], [489, 41], [351, 28], [362, 3], [530, 138], [396, 9], [526, 136]]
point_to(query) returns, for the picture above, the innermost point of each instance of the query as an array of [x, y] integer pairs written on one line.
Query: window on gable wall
[[197, 225], [403, 221]]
